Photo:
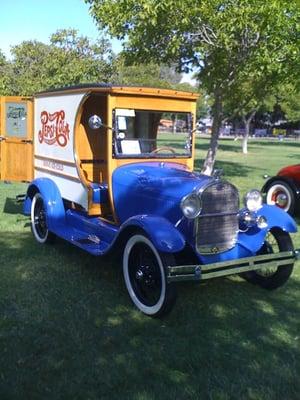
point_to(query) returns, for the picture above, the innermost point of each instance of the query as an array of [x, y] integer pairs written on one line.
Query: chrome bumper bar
[[223, 268]]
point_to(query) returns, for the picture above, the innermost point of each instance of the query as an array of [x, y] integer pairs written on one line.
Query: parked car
[[106, 180], [283, 190]]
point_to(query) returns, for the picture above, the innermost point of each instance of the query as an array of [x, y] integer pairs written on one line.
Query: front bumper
[[232, 267]]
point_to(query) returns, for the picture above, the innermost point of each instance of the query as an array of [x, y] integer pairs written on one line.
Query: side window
[[16, 119]]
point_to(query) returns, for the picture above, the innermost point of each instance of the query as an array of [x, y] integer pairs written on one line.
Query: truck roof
[[118, 89]]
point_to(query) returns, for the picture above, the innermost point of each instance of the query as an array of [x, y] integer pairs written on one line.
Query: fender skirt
[[161, 232], [55, 210]]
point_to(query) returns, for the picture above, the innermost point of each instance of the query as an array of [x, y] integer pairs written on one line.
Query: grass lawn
[[69, 331]]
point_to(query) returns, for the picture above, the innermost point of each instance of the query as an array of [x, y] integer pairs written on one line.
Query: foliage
[[69, 330], [5, 74], [150, 74], [226, 41], [69, 59]]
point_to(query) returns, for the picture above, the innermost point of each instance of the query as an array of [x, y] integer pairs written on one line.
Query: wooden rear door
[[16, 139]]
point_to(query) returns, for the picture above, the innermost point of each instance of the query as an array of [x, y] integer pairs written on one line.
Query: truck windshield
[[152, 134]]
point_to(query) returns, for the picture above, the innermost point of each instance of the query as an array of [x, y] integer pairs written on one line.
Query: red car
[[283, 190]]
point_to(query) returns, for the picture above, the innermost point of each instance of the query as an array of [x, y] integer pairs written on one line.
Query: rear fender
[[55, 211], [161, 232]]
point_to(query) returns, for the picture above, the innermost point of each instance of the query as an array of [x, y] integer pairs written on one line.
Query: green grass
[[69, 331]]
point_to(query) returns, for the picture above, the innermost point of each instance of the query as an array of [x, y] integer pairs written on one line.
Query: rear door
[[16, 139]]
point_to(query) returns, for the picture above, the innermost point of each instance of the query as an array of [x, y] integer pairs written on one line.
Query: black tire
[[39, 227], [144, 270], [280, 194], [276, 241]]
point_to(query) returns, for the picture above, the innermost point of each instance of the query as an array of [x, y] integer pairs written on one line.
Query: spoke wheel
[[273, 277], [39, 221], [281, 195], [144, 270]]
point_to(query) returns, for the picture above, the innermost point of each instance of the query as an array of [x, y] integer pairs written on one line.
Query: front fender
[[254, 238], [161, 232], [55, 211]]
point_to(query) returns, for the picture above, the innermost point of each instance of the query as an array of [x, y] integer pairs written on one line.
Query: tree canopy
[[225, 41], [68, 59]]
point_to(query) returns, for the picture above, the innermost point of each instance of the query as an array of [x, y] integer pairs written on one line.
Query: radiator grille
[[217, 225]]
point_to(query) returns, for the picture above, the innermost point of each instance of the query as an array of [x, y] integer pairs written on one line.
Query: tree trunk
[[247, 122], [217, 110]]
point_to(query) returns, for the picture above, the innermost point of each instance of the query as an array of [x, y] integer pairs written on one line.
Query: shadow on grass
[[230, 168], [275, 143], [12, 206], [69, 330]]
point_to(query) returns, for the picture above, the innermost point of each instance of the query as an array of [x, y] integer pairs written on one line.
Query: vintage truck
[[113, 172]]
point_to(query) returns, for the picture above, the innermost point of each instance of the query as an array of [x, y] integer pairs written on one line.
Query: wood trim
[[56, 173]]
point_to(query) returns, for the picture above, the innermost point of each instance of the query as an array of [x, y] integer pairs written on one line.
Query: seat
[[100, 192]]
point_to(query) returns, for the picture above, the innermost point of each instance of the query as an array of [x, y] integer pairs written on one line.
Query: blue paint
[[161, 232], [147, 197], [55, 211], [153, 188], [100, 193]]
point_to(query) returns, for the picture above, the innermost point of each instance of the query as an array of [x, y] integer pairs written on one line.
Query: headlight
[[191, 206], [253, 200]]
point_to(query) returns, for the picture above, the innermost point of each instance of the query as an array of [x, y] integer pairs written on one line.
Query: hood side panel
[[152, 188]]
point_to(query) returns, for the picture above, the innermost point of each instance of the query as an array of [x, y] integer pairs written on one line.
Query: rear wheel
[[144, 270], [272, 278], [39, 221], [281, 195]]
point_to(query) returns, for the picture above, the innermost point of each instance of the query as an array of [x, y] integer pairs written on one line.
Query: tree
[[5, 73], [69, 59], [223, 40], [151, 74]]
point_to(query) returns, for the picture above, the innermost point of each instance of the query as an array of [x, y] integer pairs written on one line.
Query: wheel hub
[[144, 275], [281, 199]]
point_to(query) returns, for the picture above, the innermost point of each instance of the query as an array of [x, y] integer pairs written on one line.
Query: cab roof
[[107, 88]]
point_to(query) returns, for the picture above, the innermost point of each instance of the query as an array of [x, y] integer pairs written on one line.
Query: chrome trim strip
[[231, 267]]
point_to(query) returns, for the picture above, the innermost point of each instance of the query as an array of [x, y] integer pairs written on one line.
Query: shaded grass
[[69, 331]]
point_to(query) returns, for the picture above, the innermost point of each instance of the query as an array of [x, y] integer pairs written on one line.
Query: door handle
[[26, 141], [2, 138]]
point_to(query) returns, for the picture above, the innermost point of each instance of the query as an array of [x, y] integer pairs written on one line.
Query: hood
[[292, 172], [153, 188]]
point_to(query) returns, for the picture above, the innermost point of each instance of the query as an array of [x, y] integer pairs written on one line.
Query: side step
[[88, 242]]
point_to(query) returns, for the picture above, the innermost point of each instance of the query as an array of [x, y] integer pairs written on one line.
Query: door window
[[16, 119]]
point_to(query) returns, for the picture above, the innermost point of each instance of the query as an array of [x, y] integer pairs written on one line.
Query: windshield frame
[[189, 138]]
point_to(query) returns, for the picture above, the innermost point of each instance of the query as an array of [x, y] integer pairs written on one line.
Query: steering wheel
[[164, 148]]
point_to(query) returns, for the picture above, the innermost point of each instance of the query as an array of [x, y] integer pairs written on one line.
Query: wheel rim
[[144, 274], [270, 246], [279, 196], [39, 224]]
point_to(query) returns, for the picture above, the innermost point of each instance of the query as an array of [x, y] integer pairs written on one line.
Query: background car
[[283, 190]]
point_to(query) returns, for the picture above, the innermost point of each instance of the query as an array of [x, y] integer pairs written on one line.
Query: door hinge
[[28, 141]]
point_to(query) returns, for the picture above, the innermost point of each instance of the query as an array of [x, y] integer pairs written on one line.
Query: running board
[[223, 268]]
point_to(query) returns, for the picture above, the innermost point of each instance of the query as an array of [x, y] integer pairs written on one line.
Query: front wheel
[[272, 278], [144, 270], [39, 222]]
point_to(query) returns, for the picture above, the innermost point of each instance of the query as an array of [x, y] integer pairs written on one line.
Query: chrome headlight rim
[[191, 205], [253, 200]]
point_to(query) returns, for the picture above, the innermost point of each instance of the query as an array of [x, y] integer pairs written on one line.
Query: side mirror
[[95, 122]]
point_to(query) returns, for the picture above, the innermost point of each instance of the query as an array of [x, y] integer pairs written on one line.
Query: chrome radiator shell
[[217, 226]]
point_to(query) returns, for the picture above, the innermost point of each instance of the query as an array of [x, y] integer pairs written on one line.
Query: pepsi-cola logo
[[55, 130]]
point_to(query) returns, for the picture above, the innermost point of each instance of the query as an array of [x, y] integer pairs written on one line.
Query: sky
[[37, 19]]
